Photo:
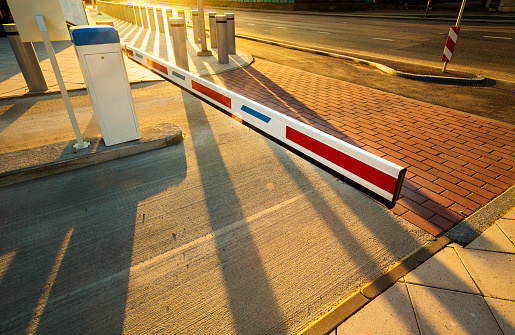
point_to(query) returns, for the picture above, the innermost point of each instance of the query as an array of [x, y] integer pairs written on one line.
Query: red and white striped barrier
[[371, 173], [451, 42]]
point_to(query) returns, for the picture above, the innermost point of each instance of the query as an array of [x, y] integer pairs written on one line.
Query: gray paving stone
[[449, 312], [443, 270], [389, 313], [510, 215], [504, 312], [493, 239], [492, 271], [508, 228]]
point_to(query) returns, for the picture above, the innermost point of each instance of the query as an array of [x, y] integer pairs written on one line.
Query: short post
[[105, 23], [27, 59], [196, 26], [181, 13], [212, 29], [132, 19], [177, 27], [138, 16], [231, 34], [221, 29], [160, 23], [151, 18], [144, 18], [169, 15], [127, 13]]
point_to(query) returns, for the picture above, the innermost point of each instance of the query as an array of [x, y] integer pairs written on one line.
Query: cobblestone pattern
[[456, 162]]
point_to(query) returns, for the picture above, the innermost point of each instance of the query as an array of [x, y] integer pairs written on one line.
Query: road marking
[[383, 39], [498, 37], [324, 32], [251, 24], [282, 28]]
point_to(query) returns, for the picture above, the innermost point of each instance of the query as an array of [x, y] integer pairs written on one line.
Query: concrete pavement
[[127, 271], [460, 290]]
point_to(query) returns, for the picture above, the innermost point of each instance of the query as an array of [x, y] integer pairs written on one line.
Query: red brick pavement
[[456, 162]]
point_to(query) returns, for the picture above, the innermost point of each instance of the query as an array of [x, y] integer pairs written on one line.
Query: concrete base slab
[[28, 164]]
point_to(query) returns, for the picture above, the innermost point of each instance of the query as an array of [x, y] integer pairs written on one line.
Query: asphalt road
[[225, 232], [484, 49], [416, 41]]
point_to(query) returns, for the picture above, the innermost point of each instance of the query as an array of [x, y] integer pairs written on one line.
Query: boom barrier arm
[[370, 173]]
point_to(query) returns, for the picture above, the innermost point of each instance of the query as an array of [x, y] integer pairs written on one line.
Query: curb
[[470, 228], [352, 304], [381, 67], [155, 137]]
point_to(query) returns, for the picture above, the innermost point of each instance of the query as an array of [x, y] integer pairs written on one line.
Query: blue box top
[[91, 35]]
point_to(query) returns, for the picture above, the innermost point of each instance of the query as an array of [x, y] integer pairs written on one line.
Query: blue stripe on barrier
[[256, 114], [178, 75], [139, 55]]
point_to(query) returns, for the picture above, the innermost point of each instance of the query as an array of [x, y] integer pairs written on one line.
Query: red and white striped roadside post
[[451, 39]]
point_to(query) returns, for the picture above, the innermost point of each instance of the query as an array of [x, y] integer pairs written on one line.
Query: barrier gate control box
[[100, 57]]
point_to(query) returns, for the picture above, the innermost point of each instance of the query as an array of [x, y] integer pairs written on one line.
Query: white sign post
[[43, 20]]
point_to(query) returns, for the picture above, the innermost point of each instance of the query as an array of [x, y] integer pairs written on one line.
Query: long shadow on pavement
[[251, 298], [260, 88], [71, 238]]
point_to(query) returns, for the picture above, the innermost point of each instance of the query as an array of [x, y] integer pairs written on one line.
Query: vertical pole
[[177, 25], [231, 38], [202, 27], [169, 15], [53, 60], [457, 25], [181, 13], [461, 13], [196, 28], [221, 29], [427, 8], [27, 59], [160, 23], [151, 18], [144, 19], [212, 29], [138, 15]]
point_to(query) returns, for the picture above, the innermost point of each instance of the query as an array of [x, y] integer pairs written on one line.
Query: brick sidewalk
[[456, 162]]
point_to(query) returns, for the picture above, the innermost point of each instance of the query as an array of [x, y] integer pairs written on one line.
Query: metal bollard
[[126, 13], [160, 23], [196, 26], [168, 15], [181, 13], [27, 59], [212, 29], [221, 36], [105, 23], [177, 27], [151, 18], [144, 19], [131, 13], [231, 34], [138, 16]]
